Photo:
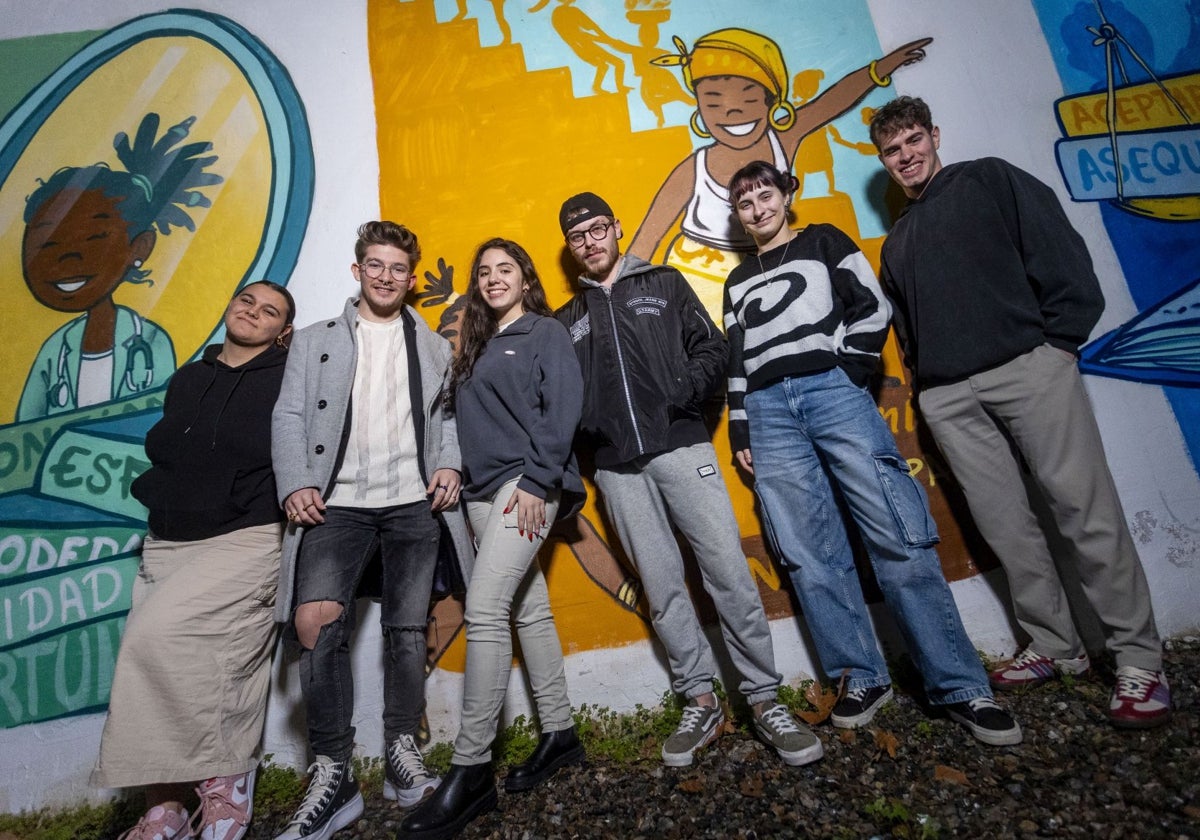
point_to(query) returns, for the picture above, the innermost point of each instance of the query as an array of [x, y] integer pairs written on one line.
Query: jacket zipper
[[612, 317]]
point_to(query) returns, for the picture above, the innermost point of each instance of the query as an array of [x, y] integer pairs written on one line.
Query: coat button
[[319, 448], [324, 357], [331, 323], [321, 404]]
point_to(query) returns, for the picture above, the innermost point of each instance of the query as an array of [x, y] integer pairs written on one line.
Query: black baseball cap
[[580, 208]]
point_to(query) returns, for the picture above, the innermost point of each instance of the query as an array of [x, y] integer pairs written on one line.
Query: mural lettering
[[92, 226]]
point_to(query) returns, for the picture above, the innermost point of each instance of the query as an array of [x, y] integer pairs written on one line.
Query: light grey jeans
[[506, 586], [685, 487]]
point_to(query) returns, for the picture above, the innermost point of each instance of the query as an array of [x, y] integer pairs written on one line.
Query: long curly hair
[[479, 321]]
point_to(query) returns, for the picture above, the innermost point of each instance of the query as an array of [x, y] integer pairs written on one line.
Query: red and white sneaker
[[226, 804], [160, 823], [1140, 699], [1030, 668]]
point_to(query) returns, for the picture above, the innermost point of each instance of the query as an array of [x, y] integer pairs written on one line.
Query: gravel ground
[[908, 775]]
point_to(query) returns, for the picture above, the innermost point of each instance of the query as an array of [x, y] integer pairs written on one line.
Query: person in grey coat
[[365, 460]]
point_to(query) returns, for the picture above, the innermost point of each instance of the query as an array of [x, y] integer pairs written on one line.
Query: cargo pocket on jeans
[[906, 498]]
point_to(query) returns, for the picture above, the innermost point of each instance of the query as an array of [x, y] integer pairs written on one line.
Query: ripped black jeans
[[333, 557]]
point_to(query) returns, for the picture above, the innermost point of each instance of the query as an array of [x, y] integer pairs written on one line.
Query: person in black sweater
[[994, 293], [190, 689], [516, 393]]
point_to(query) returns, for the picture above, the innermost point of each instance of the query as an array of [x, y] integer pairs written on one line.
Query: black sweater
[[982, 268], [210, 454]]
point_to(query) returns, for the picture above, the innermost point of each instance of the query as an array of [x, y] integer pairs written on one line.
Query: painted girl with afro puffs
[[89, 229]]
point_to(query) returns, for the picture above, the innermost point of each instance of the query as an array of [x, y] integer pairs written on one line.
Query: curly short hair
[[901, 113]]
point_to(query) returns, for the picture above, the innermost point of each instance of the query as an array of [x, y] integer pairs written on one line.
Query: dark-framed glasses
[[597, 232], [374, 269]]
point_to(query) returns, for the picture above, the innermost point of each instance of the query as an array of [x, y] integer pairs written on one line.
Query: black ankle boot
[[554, 750], [466, 792]]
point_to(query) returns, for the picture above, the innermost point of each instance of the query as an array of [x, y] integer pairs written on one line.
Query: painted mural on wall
[[142, 181], [506, 110], [1130, 141]]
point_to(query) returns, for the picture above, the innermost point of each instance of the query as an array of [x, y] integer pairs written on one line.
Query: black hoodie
[[210, 454]]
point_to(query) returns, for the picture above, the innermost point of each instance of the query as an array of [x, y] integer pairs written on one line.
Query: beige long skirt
[[189, 693]]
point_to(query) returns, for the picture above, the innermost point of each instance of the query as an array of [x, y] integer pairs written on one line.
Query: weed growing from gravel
[[86, 822], [896, 817]]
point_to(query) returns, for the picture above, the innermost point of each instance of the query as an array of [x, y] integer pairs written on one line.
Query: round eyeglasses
[[597, 232], [374, 269]]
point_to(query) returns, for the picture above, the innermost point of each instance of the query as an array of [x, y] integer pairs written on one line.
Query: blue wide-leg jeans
[[810, 435]]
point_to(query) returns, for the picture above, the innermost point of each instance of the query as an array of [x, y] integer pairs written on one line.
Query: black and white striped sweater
[[804, 307]]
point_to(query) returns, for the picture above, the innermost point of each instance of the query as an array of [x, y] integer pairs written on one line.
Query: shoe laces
[[216, 804], [406, 758], [324, 780], [978, 704], [1026, 657], [779, 719], [1136, 682], [693, 716], [857, 694]]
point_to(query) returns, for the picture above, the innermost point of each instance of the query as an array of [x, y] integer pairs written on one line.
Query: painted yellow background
[[473, 145]]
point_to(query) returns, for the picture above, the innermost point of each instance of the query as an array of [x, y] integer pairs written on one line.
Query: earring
[[789, 116], [700, 132], [279, 342], [137, 263]]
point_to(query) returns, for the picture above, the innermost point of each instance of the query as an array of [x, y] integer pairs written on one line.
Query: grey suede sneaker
[[795, 743], [699, 727]]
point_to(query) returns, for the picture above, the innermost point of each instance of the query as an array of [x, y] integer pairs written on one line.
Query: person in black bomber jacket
[[994, 293], [650, 356], [189, 693]]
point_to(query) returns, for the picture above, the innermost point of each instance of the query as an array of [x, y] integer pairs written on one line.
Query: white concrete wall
[[990, 85]]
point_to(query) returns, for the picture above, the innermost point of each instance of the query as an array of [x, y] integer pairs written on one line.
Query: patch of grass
[[516, 743], [620, 737], [894, 816], [369, 772], [437, 757], [796, 697], [629, 737], [277, 788], [85, 822]]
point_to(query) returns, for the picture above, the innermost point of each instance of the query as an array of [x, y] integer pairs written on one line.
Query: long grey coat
[[308, 427]]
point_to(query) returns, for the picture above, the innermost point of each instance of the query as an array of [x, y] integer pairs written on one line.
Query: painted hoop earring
[[789, 116], [695, 123]]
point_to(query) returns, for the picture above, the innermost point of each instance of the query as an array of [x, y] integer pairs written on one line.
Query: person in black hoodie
[[517, 393], [190, 689], [995, 292]]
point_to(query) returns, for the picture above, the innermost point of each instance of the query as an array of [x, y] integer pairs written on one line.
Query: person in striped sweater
[[806, 320]]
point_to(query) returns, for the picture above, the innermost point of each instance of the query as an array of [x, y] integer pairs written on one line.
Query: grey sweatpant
[[685, 487]]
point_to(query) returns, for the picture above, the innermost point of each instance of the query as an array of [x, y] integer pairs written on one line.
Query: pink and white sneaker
[[1030, 668], [160, 823], [1141, 698], [226, 804]]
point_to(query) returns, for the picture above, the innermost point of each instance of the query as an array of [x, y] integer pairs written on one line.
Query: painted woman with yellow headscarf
[[740, 82]]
